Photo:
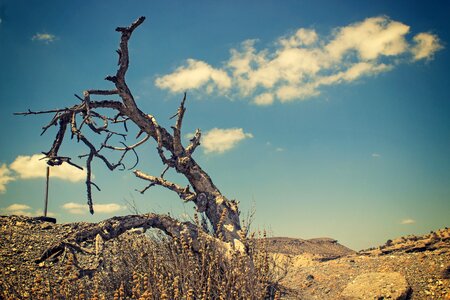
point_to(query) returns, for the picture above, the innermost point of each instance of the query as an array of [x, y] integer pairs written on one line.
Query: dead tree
[[223, 214]]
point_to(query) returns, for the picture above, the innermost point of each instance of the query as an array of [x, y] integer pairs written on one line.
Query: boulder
[[377, 286]]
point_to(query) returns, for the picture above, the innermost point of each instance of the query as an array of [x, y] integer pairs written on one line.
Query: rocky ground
[[22, 241], [413, 267], [423, 262]]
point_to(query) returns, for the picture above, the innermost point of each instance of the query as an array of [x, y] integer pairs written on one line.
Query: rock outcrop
[[412, 243], [390, 285]]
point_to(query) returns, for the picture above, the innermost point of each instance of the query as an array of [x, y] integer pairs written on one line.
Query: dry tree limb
[[114, 227], [194, 143], [184, 193], [177, 146]]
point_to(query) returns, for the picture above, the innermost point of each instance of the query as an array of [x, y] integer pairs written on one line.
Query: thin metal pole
[[46, 191]]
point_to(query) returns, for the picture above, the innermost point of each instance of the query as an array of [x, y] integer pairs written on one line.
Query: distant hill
[[323, 248]]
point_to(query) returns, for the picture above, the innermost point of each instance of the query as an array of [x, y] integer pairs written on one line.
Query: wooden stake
[[46, 191]]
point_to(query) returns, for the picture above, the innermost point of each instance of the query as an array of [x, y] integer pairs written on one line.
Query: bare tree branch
[[127, 148], [177, 146], [102, 92], [184, 193], [194, 143]]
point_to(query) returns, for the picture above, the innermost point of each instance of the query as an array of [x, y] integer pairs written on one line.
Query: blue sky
[[330, 117]]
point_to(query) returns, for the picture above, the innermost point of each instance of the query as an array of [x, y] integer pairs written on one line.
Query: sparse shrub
[[137, 266]]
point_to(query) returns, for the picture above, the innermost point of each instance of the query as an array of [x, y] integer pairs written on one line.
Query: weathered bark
[[222, 213]]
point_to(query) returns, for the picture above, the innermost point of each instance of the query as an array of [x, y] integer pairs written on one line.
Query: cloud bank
[[302, 63], [222, 140], [23, 210], [79, 209], [33, 166]]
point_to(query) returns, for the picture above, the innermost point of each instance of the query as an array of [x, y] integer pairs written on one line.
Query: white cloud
[[370, 39], [194, 75], [407, 221], [289, 93], [426, 45], [75, 208], [108, 208], [23, 210], [301, 64], [352, 73], [28, 167], [44, 37], [376, 155], [78, 208], [5, 177], [16, 207], [264, 99], [221, 140], [301, 37]]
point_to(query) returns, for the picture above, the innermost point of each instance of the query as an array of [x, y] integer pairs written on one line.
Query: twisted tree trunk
[[222, 213]]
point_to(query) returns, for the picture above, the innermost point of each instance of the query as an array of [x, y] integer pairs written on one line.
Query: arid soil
[[424, 261], [316, 269]]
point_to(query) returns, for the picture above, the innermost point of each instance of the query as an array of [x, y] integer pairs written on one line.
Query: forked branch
[[184, 193]]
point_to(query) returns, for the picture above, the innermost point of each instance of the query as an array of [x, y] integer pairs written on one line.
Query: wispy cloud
[[219, 140], [273, 148], [17, 207], [5, 177], [376, 155], [23, 210], [407, 221], [264, 99], [195, 75], [426, 45], [28, 167], [46, 38], [79, 209], [302, 63]]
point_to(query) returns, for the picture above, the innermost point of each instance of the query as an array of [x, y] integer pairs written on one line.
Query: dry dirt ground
[[424, 261], [317, 269]]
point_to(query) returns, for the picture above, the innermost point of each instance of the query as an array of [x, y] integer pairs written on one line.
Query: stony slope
[[423, 261]]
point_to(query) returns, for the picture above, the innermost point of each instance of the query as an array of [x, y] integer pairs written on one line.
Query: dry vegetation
[[154, 266]]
